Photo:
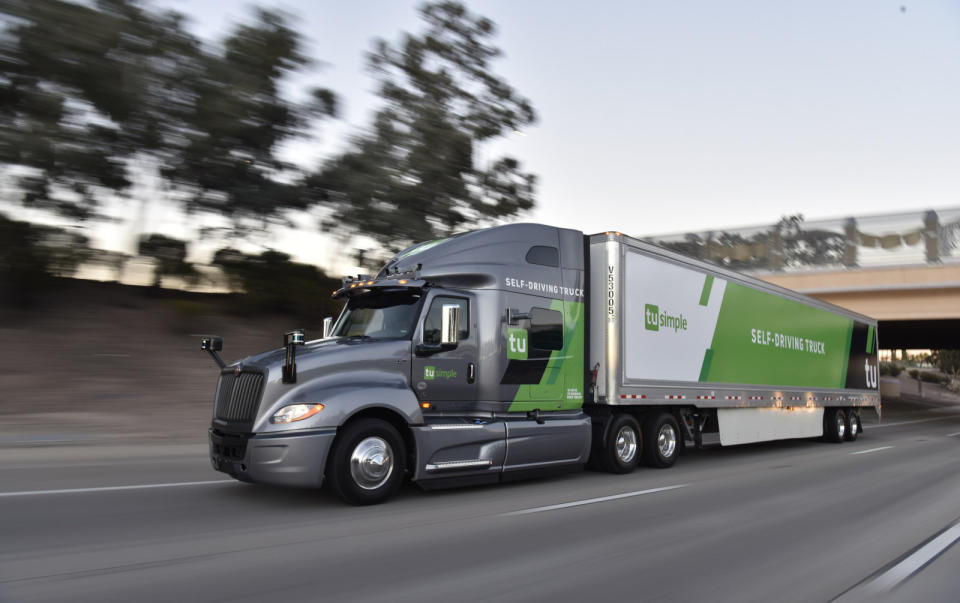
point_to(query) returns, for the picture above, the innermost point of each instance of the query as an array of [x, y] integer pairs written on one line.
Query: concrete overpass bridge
[[902, 269]]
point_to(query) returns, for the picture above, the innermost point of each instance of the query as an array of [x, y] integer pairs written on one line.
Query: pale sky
[[671, 116]]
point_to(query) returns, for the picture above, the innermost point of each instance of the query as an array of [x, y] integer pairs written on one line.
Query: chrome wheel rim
[[667, 441], [626, 444], [371, 463], [841, 426]]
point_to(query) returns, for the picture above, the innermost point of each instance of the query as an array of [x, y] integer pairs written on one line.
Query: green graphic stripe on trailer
[[764, 339], [561, 386], [705, 294]]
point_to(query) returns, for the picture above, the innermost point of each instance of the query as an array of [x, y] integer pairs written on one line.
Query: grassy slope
[[102, 361]]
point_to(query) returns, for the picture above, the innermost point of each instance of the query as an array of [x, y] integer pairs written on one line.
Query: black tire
[[834, 425], [375, 443], [661, 440], [622, 448], [853, 425]]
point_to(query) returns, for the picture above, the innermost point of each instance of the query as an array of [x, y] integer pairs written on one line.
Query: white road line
[[113, 488], [950, 435], [891, 578], [590, 501], [880, 425], [871, 450]]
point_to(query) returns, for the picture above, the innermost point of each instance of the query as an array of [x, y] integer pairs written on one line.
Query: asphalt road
[[787, 521]]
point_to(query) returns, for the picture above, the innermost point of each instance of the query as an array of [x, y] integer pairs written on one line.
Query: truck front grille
[[238, 396]]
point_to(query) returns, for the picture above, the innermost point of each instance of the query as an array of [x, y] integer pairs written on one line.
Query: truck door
[[447, 379]]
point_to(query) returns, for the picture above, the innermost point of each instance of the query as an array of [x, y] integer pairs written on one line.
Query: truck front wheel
[[661, 440], [368, 462]]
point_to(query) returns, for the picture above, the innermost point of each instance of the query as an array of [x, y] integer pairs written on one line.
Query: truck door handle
[[471, 372]]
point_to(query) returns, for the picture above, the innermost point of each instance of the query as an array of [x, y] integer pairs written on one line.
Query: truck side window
[[546, 329], [432, 323], [544, 256]]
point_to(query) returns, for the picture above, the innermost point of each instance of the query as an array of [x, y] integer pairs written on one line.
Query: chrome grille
[[238, 396]]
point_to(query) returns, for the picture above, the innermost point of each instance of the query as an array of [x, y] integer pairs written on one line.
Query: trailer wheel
[[661, 440], [621, 451], [834, 425], [853, 425], [368, 462]]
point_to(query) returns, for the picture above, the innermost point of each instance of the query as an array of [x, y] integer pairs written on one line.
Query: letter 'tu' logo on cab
[[517, 344]]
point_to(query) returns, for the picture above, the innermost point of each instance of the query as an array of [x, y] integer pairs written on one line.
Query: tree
[[413, 175], [85, 89], [95, 94], [239, 120], [785, 244], [30, 255], [271, 282], [948, 361], [170, 255]]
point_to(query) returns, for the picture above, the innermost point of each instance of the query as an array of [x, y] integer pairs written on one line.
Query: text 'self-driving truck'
[[526, 348]]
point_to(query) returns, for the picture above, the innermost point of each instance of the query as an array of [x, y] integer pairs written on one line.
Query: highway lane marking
[[950, 435], [879, 425], [590, 501], [909, 566], [871, 450], [113, 488]]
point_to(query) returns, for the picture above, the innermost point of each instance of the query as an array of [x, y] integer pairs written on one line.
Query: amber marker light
[[425, 405], [402, 281]]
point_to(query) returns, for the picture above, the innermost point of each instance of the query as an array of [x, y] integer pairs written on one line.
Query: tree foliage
[[414, 175], [238, 121], [170, 256], [272, 282], [786, 244], [93, 93], [948, 361], [30, 255]]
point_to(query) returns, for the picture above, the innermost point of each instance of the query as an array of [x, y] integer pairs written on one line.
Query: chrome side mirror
[[450, 324]]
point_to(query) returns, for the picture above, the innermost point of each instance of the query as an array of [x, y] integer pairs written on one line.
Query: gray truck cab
[[461, 361]]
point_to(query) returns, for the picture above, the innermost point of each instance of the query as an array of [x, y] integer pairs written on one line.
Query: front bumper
[[296, 459]]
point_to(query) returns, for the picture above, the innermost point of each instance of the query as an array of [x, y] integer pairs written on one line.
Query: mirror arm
[[515, 316], [212, 345]]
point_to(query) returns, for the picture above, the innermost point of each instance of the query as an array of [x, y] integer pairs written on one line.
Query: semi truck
[[525, 349]]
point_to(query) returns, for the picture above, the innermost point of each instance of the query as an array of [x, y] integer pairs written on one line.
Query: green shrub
[[934, 378], [914, 373], [891, 369]]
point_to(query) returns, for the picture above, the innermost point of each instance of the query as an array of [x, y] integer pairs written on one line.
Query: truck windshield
[[388, 316]]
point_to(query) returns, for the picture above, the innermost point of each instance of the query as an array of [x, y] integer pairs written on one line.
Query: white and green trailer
[[526, 348], [719, 356]]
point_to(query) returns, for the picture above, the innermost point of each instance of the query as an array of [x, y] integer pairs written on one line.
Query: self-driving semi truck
[[524, 349]]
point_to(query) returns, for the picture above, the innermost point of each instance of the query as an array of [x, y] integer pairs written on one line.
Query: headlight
[[295, 412]]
